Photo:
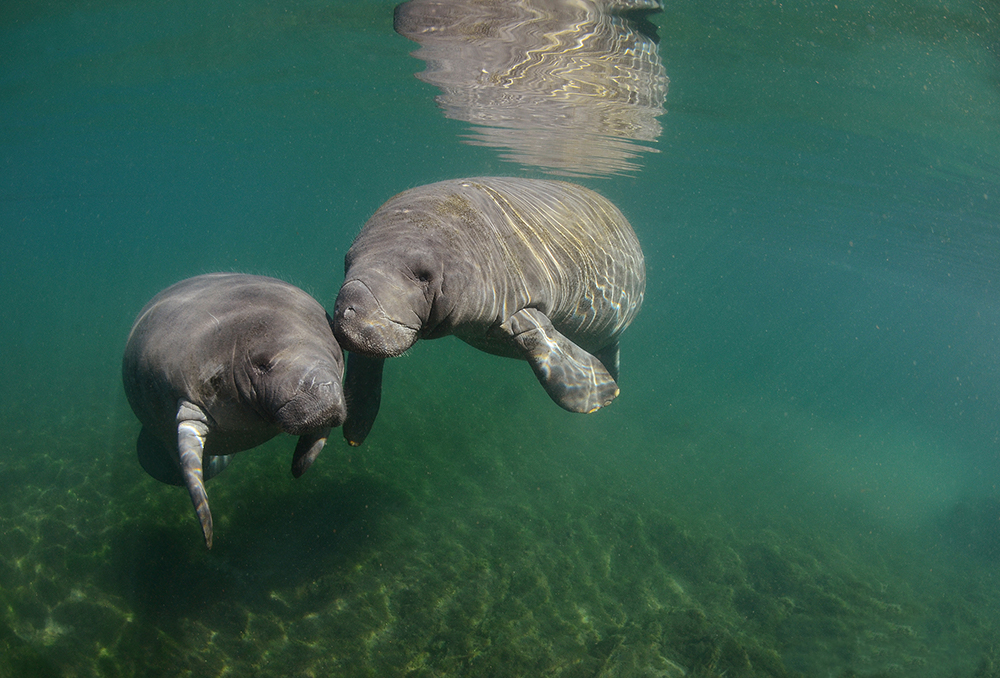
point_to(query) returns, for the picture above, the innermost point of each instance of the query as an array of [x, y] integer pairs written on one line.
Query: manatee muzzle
[[362, 325], [317, 403]]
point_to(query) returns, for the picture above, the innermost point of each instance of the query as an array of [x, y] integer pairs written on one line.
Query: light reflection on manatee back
[[570, 86]]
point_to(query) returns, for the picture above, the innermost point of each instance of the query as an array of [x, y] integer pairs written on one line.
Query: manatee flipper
[[158, 460], [575, 379], [307, 449], [215, 464], [192, 429], [609, 357], [363, 393]]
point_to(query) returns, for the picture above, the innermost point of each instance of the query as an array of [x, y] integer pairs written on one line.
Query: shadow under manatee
[[273, 541]]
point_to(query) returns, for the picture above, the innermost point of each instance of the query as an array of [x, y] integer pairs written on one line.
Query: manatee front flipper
[[192, 429], [159, 461], [363, 393], [575, 379], [609, 357], [307, 449]]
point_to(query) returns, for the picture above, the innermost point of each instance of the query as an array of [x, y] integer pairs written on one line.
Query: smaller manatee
[[223, 362]]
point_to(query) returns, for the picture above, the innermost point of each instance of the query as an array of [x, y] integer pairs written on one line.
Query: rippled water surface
[[799, 478]]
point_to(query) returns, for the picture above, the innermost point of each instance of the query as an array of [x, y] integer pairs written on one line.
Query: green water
[[800, 476]]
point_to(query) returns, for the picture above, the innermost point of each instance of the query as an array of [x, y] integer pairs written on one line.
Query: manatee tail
[[192, 429]]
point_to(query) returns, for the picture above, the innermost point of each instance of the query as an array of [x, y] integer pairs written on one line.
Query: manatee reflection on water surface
[[566, 85]]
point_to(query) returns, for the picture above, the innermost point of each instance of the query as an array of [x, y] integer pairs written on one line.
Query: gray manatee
[[223, 362], [546, 271]]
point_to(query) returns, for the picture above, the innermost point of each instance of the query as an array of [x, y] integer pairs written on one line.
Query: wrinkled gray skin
[[223, 362], [546, 271]]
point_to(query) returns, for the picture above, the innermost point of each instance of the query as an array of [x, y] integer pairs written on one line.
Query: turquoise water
[[800, 476]]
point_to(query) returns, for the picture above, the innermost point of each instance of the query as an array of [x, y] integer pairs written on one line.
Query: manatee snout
[[317, 402], [362, 325]]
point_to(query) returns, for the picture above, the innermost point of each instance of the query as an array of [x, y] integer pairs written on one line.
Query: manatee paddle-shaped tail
[[575, 379], [363, 393], [192, 429]]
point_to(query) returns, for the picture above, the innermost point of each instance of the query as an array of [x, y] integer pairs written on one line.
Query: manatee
[[223, 362], [546, 271]]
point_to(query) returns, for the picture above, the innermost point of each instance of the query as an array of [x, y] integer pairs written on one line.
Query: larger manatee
[[223, 362], [546, 271]]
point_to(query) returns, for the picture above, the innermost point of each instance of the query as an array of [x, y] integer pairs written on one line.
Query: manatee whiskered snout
[[362, 325], [317, 403]]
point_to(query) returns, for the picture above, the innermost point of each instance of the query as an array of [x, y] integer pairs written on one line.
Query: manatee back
[[553, 245]]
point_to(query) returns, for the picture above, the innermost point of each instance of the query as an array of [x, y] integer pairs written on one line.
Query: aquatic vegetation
[[463, 557]]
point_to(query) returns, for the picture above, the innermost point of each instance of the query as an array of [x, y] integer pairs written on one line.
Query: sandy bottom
[[499, 544]]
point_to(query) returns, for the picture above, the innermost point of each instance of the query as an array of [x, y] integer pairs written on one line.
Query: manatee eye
[[422, 274]]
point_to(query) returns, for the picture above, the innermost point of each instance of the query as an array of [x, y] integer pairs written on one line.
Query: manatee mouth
[[361, 324], [317, 403]]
